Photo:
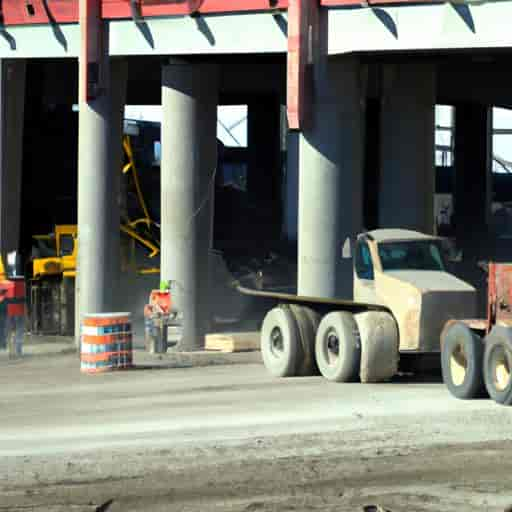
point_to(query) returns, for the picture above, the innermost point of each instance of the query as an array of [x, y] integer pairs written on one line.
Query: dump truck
[[476, 354], [403, 296]]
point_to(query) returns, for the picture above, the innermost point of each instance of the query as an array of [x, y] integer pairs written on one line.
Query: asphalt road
[[91, 437]]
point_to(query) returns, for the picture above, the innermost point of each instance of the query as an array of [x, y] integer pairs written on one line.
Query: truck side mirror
[[346, 251]]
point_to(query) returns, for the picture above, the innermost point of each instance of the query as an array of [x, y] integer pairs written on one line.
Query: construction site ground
[[231, 438]]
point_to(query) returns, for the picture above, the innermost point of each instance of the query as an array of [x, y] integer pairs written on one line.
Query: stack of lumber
[[233, 341]]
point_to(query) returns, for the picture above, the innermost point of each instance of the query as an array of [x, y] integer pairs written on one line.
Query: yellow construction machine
[[63, 263], [53, 270], [52, 283]]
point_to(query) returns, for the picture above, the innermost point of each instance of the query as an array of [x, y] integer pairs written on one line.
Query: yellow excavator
[[52, 282]]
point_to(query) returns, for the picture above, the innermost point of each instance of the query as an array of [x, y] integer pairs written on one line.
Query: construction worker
[[12, 307], [4, 284]]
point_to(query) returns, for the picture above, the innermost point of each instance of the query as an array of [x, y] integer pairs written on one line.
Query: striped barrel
[[106, 342]]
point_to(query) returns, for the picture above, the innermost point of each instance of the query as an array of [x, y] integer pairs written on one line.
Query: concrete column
[[118, 80], [12, 112], [96, 200], [291, 192], [264, 176], [407, 165], [189, 154], [473, 185], [330, 179]]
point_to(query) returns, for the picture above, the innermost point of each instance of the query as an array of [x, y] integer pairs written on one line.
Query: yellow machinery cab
[[64, 261]]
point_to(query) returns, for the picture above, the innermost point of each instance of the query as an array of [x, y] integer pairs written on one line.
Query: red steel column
[[303, 39]]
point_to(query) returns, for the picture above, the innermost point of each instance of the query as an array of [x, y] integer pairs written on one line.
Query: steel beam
[[17, 12], [302, 38]]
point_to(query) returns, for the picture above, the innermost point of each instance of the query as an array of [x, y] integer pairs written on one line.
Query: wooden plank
[[233, 342]]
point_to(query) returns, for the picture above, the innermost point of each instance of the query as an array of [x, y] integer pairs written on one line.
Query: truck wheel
[[498, 367], [337, 347], [462, 361], [378, 333], [307, 322], [280, 342]]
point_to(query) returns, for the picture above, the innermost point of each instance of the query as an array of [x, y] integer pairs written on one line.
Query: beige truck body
[[421, 301]]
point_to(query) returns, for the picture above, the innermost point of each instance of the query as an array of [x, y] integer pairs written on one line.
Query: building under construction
[[340, 102]]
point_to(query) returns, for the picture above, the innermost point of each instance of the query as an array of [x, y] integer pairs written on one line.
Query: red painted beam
[[342, 3], [113, 9], [66, 11], [31, 12], [302, 38], [23, 12], [91, 50]]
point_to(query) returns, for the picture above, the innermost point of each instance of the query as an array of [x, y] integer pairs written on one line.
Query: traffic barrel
[[106, 342]]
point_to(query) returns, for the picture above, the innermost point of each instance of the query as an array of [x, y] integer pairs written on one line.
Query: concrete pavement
[[49, 407], [232, 438]]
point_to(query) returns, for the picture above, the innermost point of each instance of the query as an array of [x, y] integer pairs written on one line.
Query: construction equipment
[[162, 322], [403, 296], [52, 283], [476, 354]]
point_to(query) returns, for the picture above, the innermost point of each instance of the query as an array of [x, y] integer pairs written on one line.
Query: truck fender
[[378, 333]]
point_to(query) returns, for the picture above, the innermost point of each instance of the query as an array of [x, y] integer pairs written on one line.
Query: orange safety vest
[[13, 294]]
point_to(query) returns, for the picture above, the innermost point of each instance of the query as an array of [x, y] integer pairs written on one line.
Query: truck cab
[[405, 272]]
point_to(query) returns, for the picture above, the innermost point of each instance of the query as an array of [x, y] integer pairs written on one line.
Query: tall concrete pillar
[[264, 170], [189, 158], [330, 179], [291, 192], [407, 164], [96, 198], [118, 80], [12, 110], [473, 185]]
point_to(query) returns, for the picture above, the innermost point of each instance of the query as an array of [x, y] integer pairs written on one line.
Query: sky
[[502, 144], [232, 127]]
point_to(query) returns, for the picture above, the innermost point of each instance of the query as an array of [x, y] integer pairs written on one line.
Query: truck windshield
[[410, 255]]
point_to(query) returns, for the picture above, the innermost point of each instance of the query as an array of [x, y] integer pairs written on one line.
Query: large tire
[[461, 361], [378, 334], [307, 323], [280, 343], [338, 348], [498, 366]]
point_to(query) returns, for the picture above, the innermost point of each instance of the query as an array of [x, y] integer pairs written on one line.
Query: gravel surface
[[231, 438]]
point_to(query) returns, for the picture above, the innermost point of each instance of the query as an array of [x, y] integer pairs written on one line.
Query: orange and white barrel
[[106, 342]]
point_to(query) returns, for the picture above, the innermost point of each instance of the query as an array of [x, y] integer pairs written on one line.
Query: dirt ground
[[232, 439], [288, 473]]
